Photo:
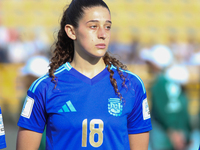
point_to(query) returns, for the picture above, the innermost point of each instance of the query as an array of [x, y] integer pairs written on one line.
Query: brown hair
[[64, 47]]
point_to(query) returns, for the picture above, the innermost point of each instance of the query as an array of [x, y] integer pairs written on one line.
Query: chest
[[79, 105], [88, 115]]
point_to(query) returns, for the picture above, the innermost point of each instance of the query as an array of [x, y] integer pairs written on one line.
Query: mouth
[[101, 46]]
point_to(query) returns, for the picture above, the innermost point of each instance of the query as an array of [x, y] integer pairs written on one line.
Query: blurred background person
[[4, 39], [34, 68], [170, 117]]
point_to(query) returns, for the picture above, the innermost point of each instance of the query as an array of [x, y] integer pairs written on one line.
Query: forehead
[[96, 13]]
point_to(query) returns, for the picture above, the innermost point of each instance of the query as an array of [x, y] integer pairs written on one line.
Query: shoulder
[[134, 78], [40, 83], [126, 72], [46, 81]]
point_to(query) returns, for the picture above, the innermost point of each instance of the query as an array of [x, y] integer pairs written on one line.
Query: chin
[[101, 54]]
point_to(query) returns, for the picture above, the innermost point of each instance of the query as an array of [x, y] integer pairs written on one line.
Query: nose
[[102, 33]]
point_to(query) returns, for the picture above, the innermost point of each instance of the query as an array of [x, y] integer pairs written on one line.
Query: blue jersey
[[2, 133], [82, 113]]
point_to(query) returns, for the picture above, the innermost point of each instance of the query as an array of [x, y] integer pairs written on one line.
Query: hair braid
[[64, 49], [113, 61]]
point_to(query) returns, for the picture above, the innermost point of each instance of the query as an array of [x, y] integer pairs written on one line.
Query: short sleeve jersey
[[83, 113], [2, 133]]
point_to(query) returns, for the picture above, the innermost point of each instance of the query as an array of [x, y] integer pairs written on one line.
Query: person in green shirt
[[169, 112]]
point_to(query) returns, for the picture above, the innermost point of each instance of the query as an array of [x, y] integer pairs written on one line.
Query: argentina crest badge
[[115, 106]]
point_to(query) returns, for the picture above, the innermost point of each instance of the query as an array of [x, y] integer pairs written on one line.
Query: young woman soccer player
[[88, 100]]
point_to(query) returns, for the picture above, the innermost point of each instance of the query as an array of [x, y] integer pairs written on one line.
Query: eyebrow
[[108, 21]]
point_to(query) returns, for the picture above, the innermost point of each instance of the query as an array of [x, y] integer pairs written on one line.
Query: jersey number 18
[[93, 130]]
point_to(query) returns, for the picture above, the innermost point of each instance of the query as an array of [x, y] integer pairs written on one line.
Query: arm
[[27, 139], [178, 139], [139, 141]]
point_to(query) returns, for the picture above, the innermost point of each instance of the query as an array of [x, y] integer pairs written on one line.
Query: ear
[[70, 31]]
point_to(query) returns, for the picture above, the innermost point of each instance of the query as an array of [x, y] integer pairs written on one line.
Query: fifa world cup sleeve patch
[[145, 110], [27, 108], [1, 126]]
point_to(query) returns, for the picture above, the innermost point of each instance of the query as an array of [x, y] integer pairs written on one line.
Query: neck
[[89, 68]]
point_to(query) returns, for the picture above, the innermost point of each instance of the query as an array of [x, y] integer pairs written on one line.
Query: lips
[[101, 46]]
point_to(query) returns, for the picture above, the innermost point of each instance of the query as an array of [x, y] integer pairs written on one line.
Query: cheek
[[108, 38], [82, 35]]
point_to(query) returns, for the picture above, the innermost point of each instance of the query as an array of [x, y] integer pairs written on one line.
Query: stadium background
[[148, 21]]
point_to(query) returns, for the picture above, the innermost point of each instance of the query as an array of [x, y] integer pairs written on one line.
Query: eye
[[108, 27], [93, 27]]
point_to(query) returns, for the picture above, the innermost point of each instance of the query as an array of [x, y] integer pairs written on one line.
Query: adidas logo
[[68, 107]]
